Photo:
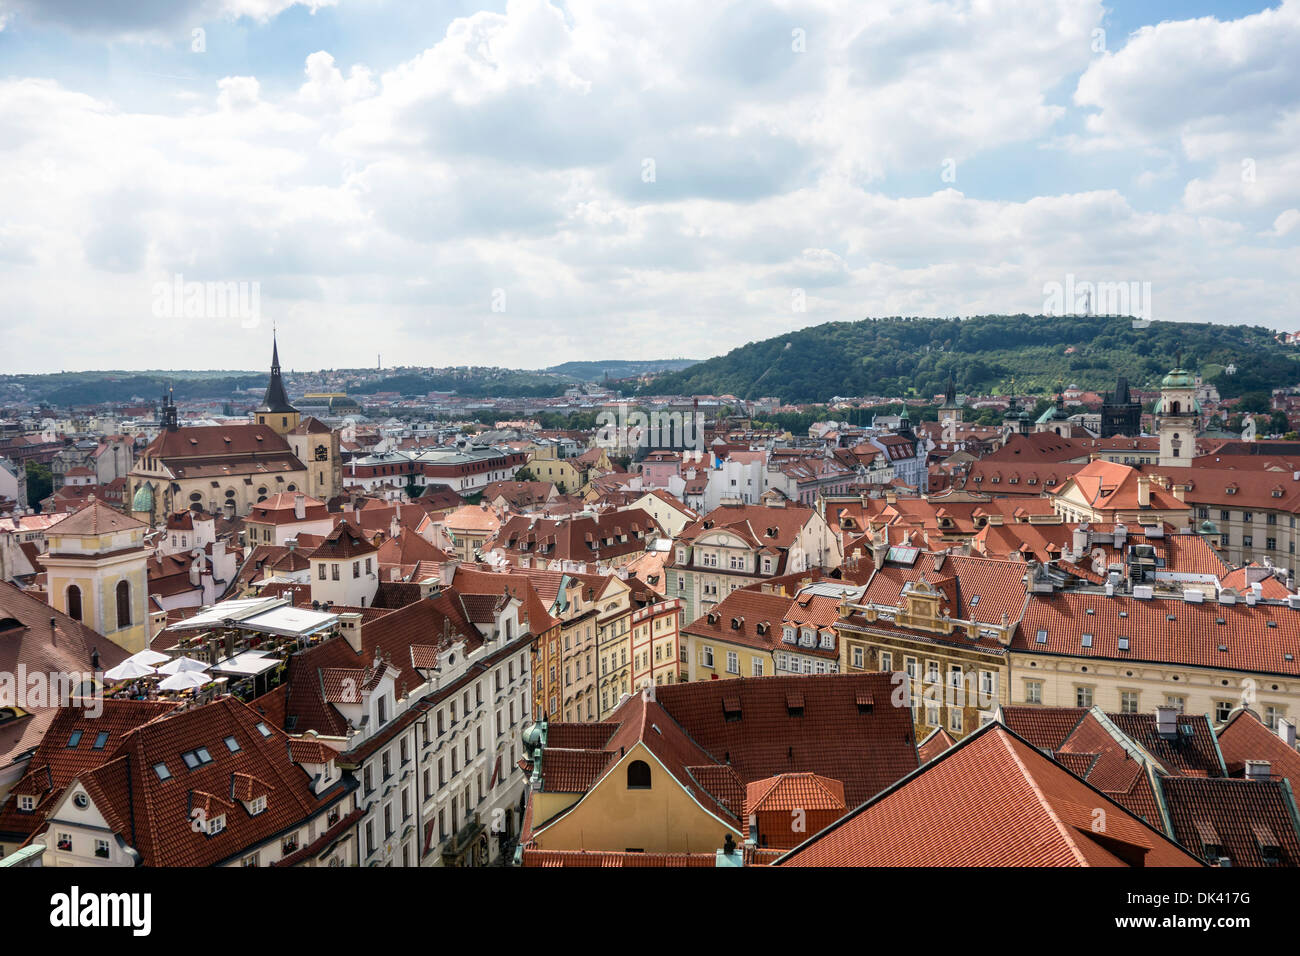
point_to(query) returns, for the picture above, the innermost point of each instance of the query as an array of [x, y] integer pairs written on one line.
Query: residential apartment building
[[737, 545], [1128, 654], [942, 623]]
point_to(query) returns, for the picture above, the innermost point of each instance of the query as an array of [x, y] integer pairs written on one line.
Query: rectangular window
[[1082, 696], [1128, 702], [1033, 692], [733, 663]]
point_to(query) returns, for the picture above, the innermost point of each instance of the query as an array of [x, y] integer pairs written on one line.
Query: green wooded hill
[[902, 356]]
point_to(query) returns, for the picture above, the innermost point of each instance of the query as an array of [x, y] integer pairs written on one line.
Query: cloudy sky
[[528, 182]]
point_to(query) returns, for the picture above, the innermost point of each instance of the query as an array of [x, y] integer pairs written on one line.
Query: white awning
[[247, 664], [264, 615]]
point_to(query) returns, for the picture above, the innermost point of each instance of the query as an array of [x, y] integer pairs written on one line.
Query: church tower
[[950, 410], [275, 411], [1177, 417], [97, 573]]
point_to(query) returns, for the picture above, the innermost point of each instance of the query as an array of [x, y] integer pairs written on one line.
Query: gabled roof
[[398, 637], [992, 800], [153, 815], [829, 738], [344, 542], [1241, 819], [1244, 737], [58, 760]]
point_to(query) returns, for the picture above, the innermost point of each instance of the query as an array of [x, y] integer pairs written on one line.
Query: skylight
[[1042, 635]]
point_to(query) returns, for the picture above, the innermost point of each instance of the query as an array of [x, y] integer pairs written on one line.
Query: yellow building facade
[[97, 573]]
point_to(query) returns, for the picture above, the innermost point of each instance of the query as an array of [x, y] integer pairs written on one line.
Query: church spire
[[276, 401]]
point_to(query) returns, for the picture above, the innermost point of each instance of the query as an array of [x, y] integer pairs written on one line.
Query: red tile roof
[[1192, 638], [56, 762], [154, 815], [992, 800], [95, 519], [1241, 817], [344, 542], [1244, 737], [833, 738]]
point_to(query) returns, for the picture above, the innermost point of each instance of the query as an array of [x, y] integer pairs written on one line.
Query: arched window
[[123, 604], [1173, 408], [74, 602], [638, 775]]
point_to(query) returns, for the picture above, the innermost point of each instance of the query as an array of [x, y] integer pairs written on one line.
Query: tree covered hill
[[899, 356]]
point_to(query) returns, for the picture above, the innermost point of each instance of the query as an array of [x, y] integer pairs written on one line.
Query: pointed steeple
[[950, 394], [276, 401]]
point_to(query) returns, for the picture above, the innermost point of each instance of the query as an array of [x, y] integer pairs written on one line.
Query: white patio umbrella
[[182, 665], [185, 680], [128, 670], [147, 657]]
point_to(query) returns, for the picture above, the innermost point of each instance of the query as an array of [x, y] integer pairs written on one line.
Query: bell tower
[[1177, 417], [275, 412]]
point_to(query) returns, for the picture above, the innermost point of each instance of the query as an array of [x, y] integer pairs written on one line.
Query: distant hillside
[[617, 368], [898, 356], [469, 382], [65, 389]]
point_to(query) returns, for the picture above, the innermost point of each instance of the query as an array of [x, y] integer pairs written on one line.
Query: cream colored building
[[97, 573], [1130, 655]]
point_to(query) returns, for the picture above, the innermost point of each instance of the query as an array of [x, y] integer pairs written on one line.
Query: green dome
[[1208, 527], [143, 500], [1178, 378]]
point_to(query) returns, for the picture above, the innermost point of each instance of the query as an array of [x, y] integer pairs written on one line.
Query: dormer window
[[216, 824], [788, 635], [257, 805], [26, 803]]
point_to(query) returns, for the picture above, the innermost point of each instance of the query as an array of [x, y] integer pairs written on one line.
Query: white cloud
[[384, 204]]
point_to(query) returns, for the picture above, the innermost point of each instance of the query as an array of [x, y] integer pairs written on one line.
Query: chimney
[[54, 632], [1286, 731], [1144, 491], [1079, 539], [1258, 770], [350, 628], [448, 571], [1167, 722], [196, 571], [300, 507], [1120, 535]]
